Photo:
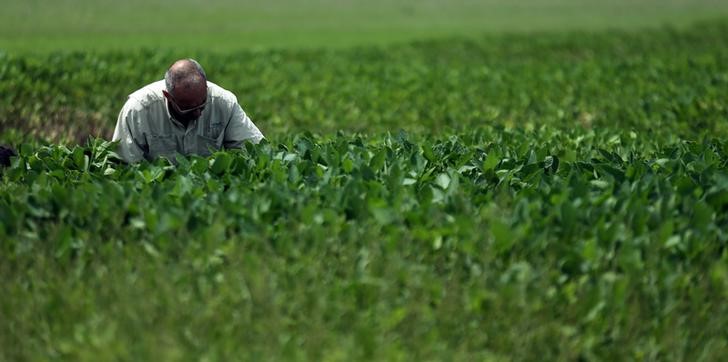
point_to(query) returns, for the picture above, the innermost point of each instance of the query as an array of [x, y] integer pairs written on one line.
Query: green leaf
[[504, 237], [220, 163], [377, 161], [702, 215], [347, 165], [443, 180], [428, 153], [491, 161]]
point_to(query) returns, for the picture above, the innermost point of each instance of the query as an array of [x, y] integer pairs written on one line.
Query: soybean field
[[533, 191]]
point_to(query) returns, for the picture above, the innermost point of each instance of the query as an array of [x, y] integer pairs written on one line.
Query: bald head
[[185, 75], [186, 91]]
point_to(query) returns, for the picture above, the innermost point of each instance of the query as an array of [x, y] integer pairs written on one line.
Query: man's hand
[[5, 154]]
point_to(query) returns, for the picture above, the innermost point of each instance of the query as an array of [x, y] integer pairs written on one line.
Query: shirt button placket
[[189, 139]]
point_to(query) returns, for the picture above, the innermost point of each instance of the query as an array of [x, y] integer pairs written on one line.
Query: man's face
[[187, 104]]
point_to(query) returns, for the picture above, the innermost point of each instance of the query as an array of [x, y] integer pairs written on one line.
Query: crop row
[[668, 81]]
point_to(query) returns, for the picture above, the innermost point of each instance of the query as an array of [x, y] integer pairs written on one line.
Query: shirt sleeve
[[131, 143], [240, 129]]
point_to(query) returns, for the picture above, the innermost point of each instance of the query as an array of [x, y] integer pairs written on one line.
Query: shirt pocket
[[207, 145], [214, 129], [162, 146]]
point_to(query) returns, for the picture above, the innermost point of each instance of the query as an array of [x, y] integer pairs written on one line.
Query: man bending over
[[184, 113]]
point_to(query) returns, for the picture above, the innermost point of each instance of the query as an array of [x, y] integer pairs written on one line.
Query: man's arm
[[240, 129], [130, 146]]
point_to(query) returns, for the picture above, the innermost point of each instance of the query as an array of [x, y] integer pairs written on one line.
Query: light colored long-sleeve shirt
[[146, 129]]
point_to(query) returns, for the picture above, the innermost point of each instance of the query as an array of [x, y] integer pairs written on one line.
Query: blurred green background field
[[42, 25], [323, 66]]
